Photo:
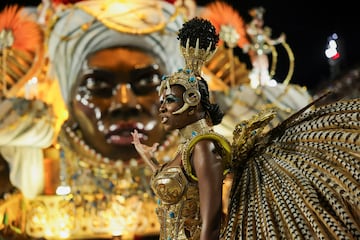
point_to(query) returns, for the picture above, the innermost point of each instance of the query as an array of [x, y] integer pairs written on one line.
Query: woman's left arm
[[209, 171]]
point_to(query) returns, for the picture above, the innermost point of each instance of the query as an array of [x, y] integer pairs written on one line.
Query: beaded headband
[[198, 40]]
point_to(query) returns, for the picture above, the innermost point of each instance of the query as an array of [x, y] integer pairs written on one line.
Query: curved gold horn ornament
[[191, 98], [182, 109]]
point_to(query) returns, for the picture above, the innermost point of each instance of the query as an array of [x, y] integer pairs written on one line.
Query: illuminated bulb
[[63, 190]]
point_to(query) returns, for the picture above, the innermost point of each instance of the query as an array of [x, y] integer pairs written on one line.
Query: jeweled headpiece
[[198, 40]]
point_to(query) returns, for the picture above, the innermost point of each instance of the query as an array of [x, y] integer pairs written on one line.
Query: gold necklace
[[87, 157], [191, 131], [194, 129]]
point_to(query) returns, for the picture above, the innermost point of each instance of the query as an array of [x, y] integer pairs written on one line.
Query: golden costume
[[176, 187]]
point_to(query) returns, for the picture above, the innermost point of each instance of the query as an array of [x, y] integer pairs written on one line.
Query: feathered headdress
[[198, 41]]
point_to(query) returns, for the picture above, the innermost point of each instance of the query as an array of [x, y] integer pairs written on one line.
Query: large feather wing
[[302, 179]]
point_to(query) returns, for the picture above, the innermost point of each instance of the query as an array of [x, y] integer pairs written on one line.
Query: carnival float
[[51, 191]]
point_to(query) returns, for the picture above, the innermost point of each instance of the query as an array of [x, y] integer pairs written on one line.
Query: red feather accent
[[220, 13], [26, 32]]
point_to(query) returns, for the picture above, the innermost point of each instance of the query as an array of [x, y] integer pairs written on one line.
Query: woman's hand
[[145, 152]]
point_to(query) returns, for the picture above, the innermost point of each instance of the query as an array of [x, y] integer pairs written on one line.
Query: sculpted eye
[[146, 79], [146, 84], [97, 85], [153, 80]]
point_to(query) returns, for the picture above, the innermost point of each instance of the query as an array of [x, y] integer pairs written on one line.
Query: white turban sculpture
[[84, 29], [26, 128]]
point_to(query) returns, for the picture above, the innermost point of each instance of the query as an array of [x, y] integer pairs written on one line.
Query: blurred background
[[311, 27]]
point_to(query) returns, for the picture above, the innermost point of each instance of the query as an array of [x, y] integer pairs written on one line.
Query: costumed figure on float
[[299, 179]]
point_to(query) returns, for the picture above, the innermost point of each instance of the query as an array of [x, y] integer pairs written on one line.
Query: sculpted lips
[[120, 133]]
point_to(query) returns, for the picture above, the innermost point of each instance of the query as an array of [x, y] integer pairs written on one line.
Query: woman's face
[[115, 94], [171, 102]]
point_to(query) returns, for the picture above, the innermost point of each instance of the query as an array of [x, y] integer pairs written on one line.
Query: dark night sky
[[307, 25]]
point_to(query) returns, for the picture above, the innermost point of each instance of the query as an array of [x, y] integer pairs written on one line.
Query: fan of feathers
[[300, 180]]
